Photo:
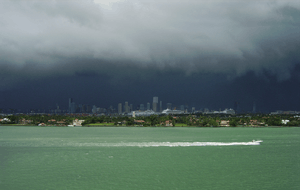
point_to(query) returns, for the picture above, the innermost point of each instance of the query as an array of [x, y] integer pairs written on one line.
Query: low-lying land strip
[[199, 120]]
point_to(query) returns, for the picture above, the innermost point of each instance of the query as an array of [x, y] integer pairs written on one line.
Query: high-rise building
[[57, 110], [126, 107], [142, 108], [94, 109], [80, 108], [155, 102], [236, 106], [72, 106], [254, 107], [154, 106], [131, 108], [120, 108], [88, 109], [83, 108], [169, 106], [148, 106], [182, 107], [160, 106]]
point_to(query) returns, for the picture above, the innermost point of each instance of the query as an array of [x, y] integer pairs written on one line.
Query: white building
[[77, 122], [226, 111], [142, 113], [284, 121], [168, 111]]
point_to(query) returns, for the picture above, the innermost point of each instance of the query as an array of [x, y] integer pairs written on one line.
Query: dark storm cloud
[[42, 39]]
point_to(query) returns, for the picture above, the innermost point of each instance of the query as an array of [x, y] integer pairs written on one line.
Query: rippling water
[[149, 158]]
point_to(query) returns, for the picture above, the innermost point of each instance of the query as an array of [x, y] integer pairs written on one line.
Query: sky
[[204, 54]]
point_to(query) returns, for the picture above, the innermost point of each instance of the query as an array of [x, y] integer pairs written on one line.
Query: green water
[[72, 158]]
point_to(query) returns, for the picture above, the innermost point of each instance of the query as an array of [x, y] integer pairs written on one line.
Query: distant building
[[57, 110], [94, 110], [148, 106], [88, 109], [131, 107], [155, 102], [168, 111], [142, 108], [142, 113], [254, 107], [120, 108], [226, 111], [83, 108], [169, 106], [193, 109], [160, 106], [72, 106], [5, 120], [285, 121], [284, 112], [126, 107], [182, 107], [236, 106], [224, 123], [80, 108], [77, 122]]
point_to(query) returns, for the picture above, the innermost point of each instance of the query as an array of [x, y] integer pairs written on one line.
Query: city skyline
[[205, 54], [128, 108]]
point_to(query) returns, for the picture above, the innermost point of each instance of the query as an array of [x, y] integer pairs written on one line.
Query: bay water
[[148, 158]]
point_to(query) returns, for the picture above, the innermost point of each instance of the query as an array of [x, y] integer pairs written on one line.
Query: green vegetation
[[199, 120], [101, 124], [181, 125]]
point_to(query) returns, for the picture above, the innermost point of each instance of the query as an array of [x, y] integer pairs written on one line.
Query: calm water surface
[[99, 158]]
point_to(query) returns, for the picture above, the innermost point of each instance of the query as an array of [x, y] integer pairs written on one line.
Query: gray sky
[[140, 40]]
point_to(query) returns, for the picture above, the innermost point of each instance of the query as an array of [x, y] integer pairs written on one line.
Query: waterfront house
[[23, 121], [224, 123]]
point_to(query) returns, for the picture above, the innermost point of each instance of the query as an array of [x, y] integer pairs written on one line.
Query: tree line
[[200, 120]]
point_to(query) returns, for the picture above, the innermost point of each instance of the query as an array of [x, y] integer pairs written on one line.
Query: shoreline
[[101, 126]]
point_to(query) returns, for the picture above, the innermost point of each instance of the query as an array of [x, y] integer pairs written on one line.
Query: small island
[[171, 120]]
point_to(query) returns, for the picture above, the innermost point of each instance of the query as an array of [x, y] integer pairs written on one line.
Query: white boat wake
[[66, 143], [170, 144]]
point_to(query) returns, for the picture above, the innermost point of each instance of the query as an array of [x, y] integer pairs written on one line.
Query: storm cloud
[[230, 37], [159, 47]]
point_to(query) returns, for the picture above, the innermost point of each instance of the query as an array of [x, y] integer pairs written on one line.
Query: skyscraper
[[160, 106], [83, 108], [80, 108], [193, 109], [94, 109], [72, 106], [236, 106], [254, 107], [182, 107], [88, 108], [169, 106], [148, 106], [155, 102], [142, 108], [120, 108], [126, 107]]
